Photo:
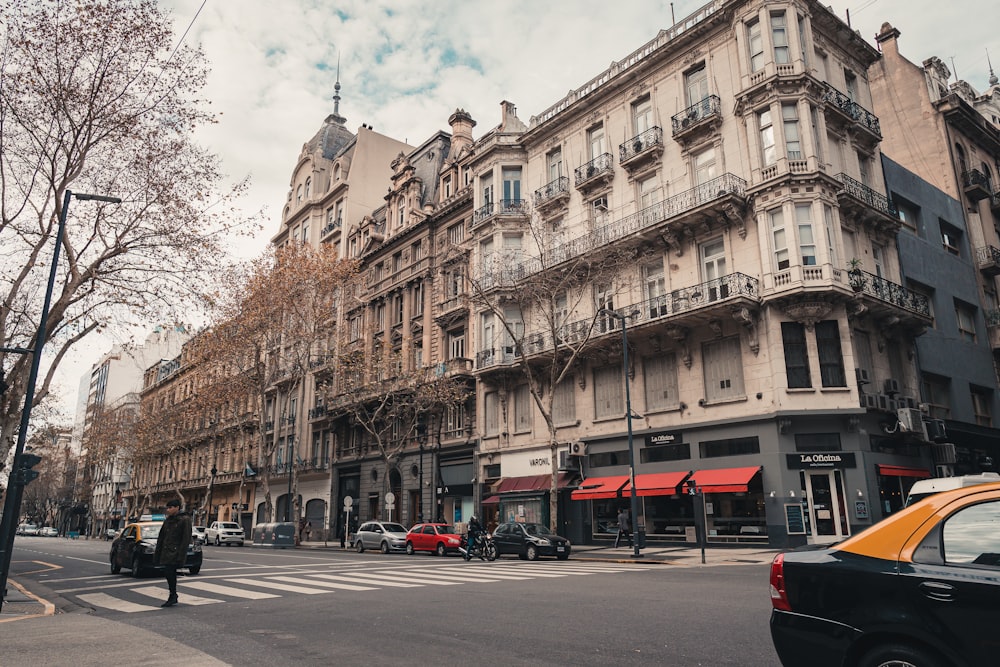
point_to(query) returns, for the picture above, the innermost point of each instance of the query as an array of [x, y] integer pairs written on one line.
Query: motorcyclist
[[475, 529]]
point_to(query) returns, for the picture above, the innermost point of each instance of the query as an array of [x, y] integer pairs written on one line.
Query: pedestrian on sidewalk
[[624, 529], [172, 545]]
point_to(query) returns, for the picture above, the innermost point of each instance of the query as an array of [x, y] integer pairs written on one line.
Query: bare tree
[[543, 308], [96, 97]]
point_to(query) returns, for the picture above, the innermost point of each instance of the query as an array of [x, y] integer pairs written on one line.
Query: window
[[554, 162], [831, 245], [492, 413], [564, 403], [305, 232], [970, 537], [609, 401], [659, 376], [648, 192], [511, 177], [604, 298], [723, 369], [595, 137], [729, 447], [642, 113], [704, 166], [793, 338], [456, 345], [456, 234], [454, 420], [779, 38], [446, 184], [778, 239], [400, 213], [397, 262], [489, 332], [936, 392], [807, 244], [713, 259], [380, 317], [514, 325], [397, 309], [768, 154], [454, 284], [831, 359], [522, 409], [865, 169], [298, 195], [965, 317], [909, 213], [655, 288], [982, 400], [677, 452], [951, 238], [793, 143], [755, 44], [851, 84], [417, 251], [696, 84], [818, 442], [418, 299], [418, 356]]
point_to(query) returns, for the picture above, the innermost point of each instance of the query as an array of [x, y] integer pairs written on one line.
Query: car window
[[445, 530], [971, 536], [231, 525], [394, 528], [150, 532], [428, 530]]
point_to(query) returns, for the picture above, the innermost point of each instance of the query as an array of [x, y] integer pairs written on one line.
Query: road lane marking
[[184, 598], [367, 579], [498, 574], [463, 578], [106, 601], [264, 583], [227, 590], [313, 582]]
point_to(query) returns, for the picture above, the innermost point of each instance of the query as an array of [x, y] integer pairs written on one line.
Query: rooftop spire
[[993, 77], [336, 96]]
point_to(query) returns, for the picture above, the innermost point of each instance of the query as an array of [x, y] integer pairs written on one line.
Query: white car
[[198, 534], [224, 532], [48, 531]]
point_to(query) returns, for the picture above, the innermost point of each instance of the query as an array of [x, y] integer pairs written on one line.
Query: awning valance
[[597, 488], [902, 471], [657, 484], [492, 500], [725, 480], [531, 483]]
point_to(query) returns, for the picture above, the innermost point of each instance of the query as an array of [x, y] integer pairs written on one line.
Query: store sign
[[813, 460], [665, 438], [540, 462]]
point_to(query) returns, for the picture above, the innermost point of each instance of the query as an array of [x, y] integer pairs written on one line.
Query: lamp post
[[628, 420], [288, 498], [15, 485]]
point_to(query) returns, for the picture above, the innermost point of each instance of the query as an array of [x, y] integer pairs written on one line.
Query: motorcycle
[[484, 548]]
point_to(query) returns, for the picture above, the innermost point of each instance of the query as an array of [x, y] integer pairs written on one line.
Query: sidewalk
[[36, 630]]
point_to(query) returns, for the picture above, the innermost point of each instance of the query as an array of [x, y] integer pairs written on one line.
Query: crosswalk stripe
[[378, 576], [503, 569], [470, 578], [367, 580], [485, 572], [106, 601], [561, 569], [184, 598], [231, 591], [264, 583], [324, 584]]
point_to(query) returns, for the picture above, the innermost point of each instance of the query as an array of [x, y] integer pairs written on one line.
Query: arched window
[[963, 165], [308, 186], [988, 176], [298, 195]]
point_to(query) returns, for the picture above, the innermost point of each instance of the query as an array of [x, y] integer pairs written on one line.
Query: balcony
[[318, 412], [868, 206], [505, 208], [993, 328], [850, 112], [988, 260], [452, 310], [330, 228], [884, 298], [722, 198], [642, 149], [975, 185], [598, 172], [699, 118], [682, 308], [995, 202], [552, 195]]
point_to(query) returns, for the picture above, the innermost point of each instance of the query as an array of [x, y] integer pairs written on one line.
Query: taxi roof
[[895, 537]]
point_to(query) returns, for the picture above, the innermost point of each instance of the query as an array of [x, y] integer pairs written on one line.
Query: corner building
[[734, 162]]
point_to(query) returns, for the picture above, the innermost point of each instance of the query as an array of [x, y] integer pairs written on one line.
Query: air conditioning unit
[[883, 401], [911, 421], [908, 402], [943, 454], [578, 449], [891, 386], [861, 375], [935, 430], [869, 401]]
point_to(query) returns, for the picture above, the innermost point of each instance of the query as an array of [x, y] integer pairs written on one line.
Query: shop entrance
[[827, 510]]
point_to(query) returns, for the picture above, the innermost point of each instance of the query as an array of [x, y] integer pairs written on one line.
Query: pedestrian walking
[[624, 529], [172, 545]]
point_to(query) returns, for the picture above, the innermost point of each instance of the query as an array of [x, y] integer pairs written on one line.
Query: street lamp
[[15, 485], [628, 420]]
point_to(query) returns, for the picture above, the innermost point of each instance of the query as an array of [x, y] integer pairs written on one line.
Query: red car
[[439, 538]]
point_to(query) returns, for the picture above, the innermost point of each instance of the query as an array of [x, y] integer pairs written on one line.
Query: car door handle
[[936, 590]]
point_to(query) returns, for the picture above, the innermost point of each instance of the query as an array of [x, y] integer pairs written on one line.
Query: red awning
[[531, 483], [725, 480], [902, 471], [596, 488], [492, 500], [656, 484]]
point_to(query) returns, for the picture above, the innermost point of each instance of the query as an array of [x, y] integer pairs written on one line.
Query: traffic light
[[24, 467]]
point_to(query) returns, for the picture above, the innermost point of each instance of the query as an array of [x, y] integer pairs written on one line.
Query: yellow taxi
[[919, 589]]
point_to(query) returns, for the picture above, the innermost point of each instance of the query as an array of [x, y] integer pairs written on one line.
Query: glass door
[[825, 495]]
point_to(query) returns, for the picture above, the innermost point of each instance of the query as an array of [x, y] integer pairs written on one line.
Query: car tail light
[[779, 596]]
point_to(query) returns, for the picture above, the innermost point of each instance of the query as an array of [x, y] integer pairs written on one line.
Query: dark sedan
[[529, 541], [133, 549], [920, 588]]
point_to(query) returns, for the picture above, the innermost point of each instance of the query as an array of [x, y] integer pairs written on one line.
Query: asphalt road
[[295, 607]]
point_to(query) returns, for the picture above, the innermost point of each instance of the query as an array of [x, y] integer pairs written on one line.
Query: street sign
[[390, 499], [348, 503]]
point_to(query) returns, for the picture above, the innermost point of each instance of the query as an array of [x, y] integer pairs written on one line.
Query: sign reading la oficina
[[803, 460]]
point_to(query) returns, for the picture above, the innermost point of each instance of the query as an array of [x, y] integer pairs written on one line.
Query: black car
[[529, 541], [133, 549], [920, 588]]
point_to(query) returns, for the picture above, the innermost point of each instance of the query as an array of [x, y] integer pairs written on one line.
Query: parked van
[[927, 487]]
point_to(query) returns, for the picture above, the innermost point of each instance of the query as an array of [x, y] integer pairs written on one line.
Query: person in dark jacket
[[172, 545]]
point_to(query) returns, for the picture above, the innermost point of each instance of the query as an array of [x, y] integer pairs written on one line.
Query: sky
[[406, 65]]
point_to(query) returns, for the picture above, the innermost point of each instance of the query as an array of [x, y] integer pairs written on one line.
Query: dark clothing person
[[475, 528], [624, 529], [172, 545]]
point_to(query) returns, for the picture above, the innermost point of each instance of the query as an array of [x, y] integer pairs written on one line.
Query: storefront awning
[[902, 471], [492, 500], [596, 488], [725, 480], [657, 484], [531, 483]]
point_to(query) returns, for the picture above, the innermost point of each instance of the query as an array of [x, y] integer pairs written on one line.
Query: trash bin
[[641, 536], [274, 534]]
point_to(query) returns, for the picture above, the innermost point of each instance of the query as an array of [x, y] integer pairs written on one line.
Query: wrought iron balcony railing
[[640, 143], [551, 190], [709, 107], [854, 110], [987, 256], [863, 193], [992, 317], [502, 207], [889, 292], [601, 164]]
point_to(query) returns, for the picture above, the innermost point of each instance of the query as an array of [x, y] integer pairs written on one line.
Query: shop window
[[729, 447], [675, 452], [607, 459]]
